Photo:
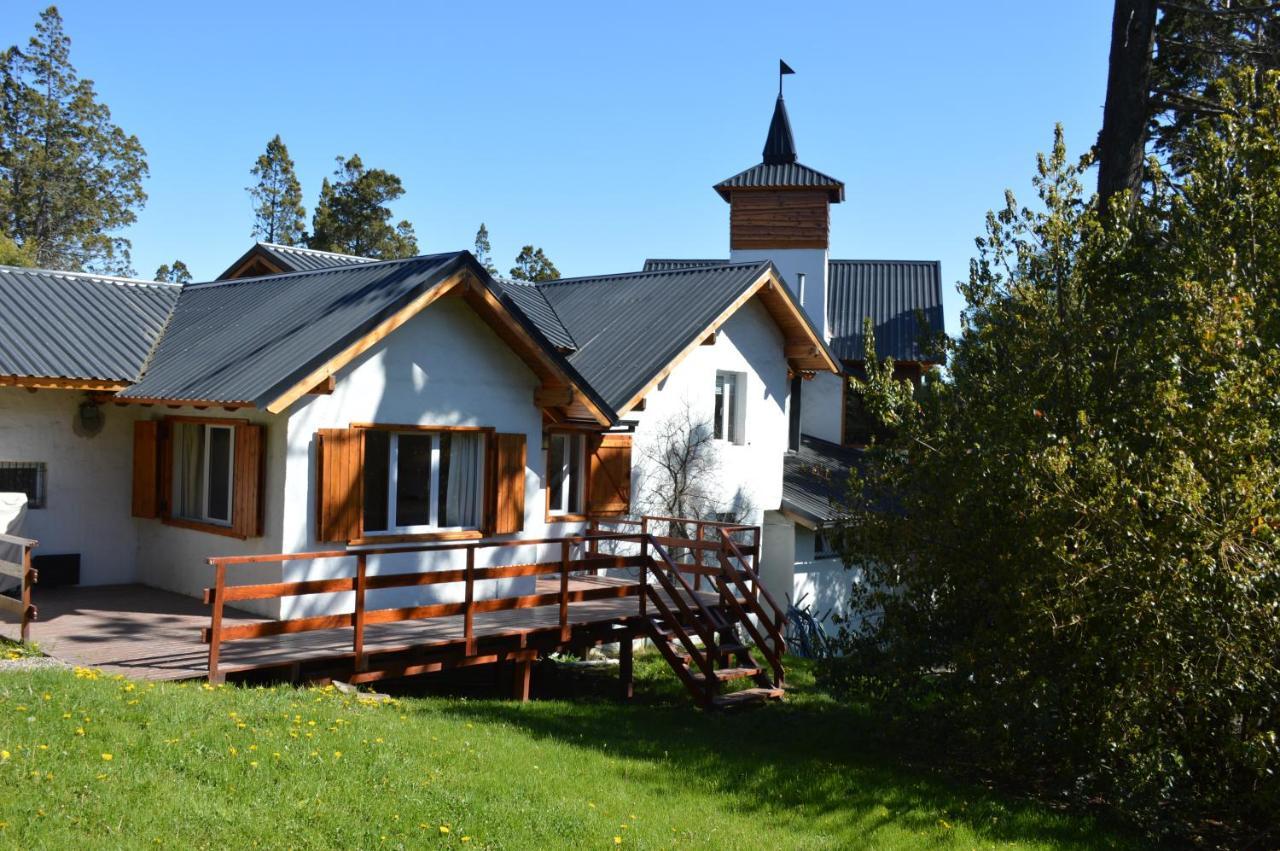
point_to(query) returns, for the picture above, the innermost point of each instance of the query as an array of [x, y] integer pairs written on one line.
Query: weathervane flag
[[783, 68]]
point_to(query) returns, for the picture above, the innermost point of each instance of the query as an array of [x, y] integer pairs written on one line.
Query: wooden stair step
[[723, 674], [746, 697]]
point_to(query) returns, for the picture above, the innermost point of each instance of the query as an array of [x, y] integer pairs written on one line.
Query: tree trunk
[[1126, 115]]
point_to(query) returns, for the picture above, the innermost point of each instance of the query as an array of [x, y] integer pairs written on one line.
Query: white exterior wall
[[444, 367], [749, 343], [778, 556], [174, 557], [88, 481], [821, 407], [790, 262]]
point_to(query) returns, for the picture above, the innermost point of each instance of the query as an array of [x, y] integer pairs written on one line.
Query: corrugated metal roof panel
[[667, 265], [74, 325], [815, 479], [529, 298], [782, 176], [250, 339], [629, 327], [298, 259], [892, 293]]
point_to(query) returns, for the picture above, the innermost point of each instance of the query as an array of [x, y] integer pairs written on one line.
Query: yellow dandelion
[[444, 828], [253, 763], [4, 755], [466, 839], [617, 840], [79, 731], [107, 757], [337, 754]]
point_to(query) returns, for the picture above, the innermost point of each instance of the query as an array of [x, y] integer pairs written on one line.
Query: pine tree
[[178, 273], [533, 265], [278, 214], [352, 217], [69, 176], [483, 252]]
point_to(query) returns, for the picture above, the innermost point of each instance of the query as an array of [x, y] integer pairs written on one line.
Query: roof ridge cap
[[110, 279], [309, 250], [325, 271], [682, 271]]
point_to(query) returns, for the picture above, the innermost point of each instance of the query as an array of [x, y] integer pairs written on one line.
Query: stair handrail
[[780, 616], [774, 629], [702, 657]]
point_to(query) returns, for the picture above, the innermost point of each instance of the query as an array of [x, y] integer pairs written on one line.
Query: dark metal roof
[[249, 340], [293, 258], [666, 265], [779, 145], [782, 176], [73, 325], [529, 298], [815, 479], [628, 328], [892, 293]]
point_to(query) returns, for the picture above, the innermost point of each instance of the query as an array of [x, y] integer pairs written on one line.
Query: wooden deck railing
[[27, 575], [360, 582]]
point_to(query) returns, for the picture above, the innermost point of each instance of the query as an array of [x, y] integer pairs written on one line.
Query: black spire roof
[[780, 169], [779, 145]]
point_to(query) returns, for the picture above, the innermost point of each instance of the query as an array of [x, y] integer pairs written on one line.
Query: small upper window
[[564, 473], [422, 481], [24, 477], [203, 472], [727, 416], [822, 545]]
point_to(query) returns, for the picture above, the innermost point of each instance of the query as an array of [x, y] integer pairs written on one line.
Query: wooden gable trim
[[557, 384], [362, 345], [767, 283], [244, 269]]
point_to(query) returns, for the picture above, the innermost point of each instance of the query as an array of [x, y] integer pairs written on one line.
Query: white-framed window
[[203, 472], [727, 417], [565, 462], [823, 546], [423, 481]]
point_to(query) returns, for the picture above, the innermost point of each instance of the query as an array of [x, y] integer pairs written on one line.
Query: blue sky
[[595, 130]]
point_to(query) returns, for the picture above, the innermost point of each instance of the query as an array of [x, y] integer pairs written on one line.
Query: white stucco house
[[306, 400], [780, 212]]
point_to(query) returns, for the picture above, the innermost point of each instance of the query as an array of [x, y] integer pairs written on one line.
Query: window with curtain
[[564, 473], [203, 472], [422, 481], [727, 416]]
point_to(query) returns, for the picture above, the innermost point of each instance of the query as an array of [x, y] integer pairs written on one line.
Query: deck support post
[[564, 591], [468, 617], [522, 670], [361, 662], [215, 621], [626, 668]]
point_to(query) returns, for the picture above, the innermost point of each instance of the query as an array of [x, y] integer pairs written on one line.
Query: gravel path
[[27, 663]]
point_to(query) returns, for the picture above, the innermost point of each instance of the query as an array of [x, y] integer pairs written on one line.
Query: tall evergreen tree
[[12, 254], [278, 214], [352, 217], [178, 273], [69, 176], [534, 265], [483, 253]]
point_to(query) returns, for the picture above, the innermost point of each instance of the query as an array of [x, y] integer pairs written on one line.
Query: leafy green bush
[[1080, 559]]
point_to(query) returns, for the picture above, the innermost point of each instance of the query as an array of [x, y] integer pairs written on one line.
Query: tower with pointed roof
[[780, 210]]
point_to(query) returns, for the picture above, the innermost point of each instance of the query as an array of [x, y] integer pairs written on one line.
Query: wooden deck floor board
[[146, 633]]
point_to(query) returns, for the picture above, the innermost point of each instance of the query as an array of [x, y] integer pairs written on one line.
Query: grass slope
[[91, 761]]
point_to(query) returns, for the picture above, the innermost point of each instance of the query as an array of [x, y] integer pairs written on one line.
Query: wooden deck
[[146, 633]]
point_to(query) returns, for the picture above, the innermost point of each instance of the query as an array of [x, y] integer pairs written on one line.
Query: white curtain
[[188, 470], [462, 503]]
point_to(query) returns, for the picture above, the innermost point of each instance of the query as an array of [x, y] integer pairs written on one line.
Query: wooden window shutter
[[339, 484], [146, 468], [609, 474], [247, 482], [508, 483]]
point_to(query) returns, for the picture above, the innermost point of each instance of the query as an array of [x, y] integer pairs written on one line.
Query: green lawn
[[87, 760]]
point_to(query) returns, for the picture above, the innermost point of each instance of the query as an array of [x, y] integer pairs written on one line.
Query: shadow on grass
[[808, 758]]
